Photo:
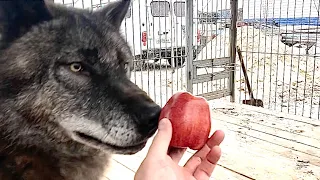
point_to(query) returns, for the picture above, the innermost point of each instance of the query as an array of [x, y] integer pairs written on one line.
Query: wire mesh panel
[[278, 40], [281, 50], [156, 33], [211, 67]]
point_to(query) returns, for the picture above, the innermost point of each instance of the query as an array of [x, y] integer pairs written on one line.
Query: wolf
[[66, 100]]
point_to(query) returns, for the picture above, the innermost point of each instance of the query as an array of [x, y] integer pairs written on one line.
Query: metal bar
[[189, 44], [233, 43], [291, 63], [281, 54], [313, 79]]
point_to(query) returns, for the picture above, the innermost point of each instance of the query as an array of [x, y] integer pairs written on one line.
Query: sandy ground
[[282, 76]]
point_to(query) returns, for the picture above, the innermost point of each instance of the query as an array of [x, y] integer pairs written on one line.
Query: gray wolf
[[66, 100]]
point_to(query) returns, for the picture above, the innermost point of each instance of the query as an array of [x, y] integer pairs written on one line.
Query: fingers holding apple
[[190, 118], [176, 153]]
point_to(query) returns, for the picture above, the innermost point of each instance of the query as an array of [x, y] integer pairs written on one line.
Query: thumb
[[161, 141]]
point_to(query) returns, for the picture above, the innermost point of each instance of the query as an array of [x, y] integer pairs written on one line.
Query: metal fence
[[191, 45], [279, 42], [177, 45]]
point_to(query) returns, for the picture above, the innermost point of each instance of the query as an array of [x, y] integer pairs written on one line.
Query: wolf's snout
[[148, 122], [141, 108]]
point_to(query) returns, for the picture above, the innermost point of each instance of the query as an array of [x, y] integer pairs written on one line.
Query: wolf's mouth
[[100, 144]]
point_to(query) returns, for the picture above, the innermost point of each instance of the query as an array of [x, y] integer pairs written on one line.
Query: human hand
[[161, 162]]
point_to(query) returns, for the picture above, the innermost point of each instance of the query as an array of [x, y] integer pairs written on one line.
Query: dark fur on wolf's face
[[64, 82]]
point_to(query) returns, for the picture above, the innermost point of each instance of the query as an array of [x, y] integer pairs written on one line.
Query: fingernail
[[162, 123]]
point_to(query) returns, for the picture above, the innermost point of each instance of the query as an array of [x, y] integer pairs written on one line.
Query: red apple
[[190, 119]]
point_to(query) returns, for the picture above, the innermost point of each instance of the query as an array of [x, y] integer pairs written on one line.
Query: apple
[[190, 118]]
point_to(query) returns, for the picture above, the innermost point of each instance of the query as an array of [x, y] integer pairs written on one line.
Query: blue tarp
[[311, 21]]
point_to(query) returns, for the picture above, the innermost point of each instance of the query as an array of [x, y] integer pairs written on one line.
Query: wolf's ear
[[115, 12], [17, 16]]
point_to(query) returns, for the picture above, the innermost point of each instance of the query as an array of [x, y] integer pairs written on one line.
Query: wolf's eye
[[76, 67]]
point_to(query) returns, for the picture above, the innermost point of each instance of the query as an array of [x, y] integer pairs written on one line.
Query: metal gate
[[178, 45], [211, 58]]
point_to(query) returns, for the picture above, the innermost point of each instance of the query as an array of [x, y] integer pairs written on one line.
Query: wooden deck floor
[[259, 144]]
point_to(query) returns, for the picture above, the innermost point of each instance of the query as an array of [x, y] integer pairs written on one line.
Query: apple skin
[[190, 118]]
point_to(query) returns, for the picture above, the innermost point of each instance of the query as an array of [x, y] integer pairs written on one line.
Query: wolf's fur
[[59, 120]]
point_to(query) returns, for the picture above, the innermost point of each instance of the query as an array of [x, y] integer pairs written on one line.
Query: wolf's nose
[[150, 119], [152, 114]]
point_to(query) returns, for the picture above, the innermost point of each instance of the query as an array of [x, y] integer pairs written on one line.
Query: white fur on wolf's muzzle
[[116, 135]]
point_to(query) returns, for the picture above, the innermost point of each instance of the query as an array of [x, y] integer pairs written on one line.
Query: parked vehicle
[[157, 30]]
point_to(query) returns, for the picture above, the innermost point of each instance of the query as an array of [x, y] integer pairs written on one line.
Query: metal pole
[[233, 44], [189, 45]]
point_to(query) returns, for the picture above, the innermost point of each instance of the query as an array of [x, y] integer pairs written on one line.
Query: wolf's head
[[64, 79]]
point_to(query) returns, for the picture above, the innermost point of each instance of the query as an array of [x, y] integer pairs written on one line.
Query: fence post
[[189, 45], [233, 44]]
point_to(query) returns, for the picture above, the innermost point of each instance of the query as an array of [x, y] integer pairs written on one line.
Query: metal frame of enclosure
[[191, 45], [206, 47]]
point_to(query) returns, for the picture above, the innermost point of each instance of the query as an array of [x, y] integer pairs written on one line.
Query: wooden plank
[[281, 146], [220, 173], [285, 124], [117, 171], [309, 130], [251, 109], [287, 139], [133, 162], [211, 62], [272, 146], [211, 77], [261, 160], [262, 165], [255, 150], [216, 94], [285, 120]]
